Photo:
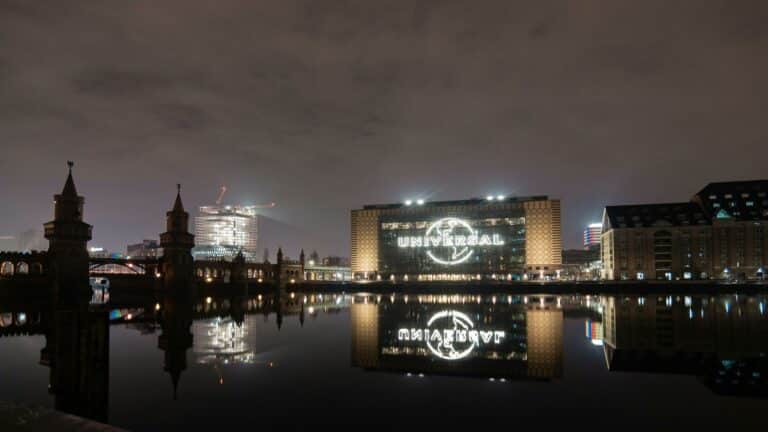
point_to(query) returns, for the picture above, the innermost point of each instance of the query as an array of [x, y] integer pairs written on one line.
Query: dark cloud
[[183, 116], [114, 83], [326, 105]]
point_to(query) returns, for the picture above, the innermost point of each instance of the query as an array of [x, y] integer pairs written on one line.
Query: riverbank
[[26, 418]]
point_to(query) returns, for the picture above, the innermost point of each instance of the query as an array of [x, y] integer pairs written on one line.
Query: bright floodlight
[[489, 198], [500, 197], [408, 202], [420, 202]]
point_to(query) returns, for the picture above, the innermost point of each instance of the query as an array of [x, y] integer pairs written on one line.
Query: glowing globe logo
[[453, 253], [450, 241], [450, 348], [450, 335]]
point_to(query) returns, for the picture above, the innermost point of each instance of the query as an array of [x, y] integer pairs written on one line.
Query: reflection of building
[[457, 240], [145, 249], [722, 233], [223, 341], [698, 335], [594, 331], [77, 352], [223, 231], [504, 337]]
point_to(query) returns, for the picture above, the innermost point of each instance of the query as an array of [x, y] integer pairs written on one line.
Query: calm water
[[208, 363]]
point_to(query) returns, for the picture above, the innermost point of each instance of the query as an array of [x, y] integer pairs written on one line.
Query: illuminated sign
[[450, 241], [451, 335]]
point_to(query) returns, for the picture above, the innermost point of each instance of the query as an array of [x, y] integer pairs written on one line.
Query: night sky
[[323, 106]]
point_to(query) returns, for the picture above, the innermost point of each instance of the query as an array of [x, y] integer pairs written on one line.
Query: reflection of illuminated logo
[[451, 335], [450, 241]]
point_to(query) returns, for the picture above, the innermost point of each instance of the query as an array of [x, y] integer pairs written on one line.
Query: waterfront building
[[721, 233], [581, 264], [321, 272], [491, 238], [145, 249]]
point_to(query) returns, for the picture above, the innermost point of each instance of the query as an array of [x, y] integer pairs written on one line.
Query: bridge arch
[[36, 269], [6, 319], [22, 268], [6, 268]]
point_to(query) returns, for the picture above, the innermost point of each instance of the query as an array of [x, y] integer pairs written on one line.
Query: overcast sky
[[322, 106]]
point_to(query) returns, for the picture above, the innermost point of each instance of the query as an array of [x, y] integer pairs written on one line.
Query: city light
[[500, 197], [420, 202], [489, 198], [408, 202]]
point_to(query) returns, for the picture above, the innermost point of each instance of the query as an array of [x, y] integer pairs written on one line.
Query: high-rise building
[[223, 231], [592, 236], [491, 238]]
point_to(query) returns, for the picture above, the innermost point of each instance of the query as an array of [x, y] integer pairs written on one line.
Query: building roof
[[654, 215], [470, 201], [739, 200]]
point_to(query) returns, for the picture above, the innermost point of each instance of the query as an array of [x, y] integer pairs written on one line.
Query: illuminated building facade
[[592, 236], [721, 233], [223, 231], [493, 238]]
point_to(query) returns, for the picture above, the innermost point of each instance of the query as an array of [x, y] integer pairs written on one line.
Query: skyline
[[327, 107]]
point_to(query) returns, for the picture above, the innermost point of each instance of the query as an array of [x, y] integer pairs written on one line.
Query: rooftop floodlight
[[500, 197], [408, 202], [420, 202], [489, 198]]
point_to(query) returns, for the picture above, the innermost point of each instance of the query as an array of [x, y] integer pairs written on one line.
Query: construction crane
[[221, 194], [223, 191]]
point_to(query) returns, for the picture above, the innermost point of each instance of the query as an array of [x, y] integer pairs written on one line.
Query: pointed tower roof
[[178, 207], [69, 187]]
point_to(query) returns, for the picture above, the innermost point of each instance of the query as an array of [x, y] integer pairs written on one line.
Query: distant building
[[98, 252], [32, 240], [8, 243], [335, 261], [223, 231], [592, 236], [721, 233], [145, 249], [581, 264]]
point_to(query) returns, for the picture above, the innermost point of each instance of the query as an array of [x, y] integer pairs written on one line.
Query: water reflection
[[77, 353], [720, 340], [459, 335], [723, 339]]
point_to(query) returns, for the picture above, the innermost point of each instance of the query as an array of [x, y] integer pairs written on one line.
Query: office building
[[491, 238], [223, 231]]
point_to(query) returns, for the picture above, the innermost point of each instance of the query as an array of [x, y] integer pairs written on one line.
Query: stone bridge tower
[[68, 237], [177, 244]]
